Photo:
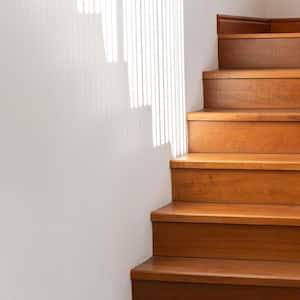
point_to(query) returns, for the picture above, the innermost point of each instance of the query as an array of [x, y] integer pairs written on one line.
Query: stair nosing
[[228, 162], [221, 275], [266, 35], [226, 74], [238, 115], [216, 217]]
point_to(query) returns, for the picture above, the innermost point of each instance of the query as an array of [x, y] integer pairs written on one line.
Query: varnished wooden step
[[241, 161], [219, 271], [228, 213], [266, 232], [238, 89], [262, 50], [253, 74], [237, 178], [246, 115], [260, 35], [163, 278], [244, 131]]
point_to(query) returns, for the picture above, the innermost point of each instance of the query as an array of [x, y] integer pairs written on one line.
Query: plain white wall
[[201, 39], [79, 176], [283, 9]]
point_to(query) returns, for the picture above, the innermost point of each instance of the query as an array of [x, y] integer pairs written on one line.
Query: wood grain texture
[[253, 74], [219, 271], [252, 93], [233, 228], [248, 36], [228, 213], [245, 115], [233, 24], [251, 52], [238, 241], [155, 290], [238, 161], [236, 186], [244, 137]]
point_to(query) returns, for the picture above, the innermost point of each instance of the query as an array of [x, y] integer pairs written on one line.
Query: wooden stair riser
[[253, 242], [244, 137], [228, 24], [156, 290], [237, 186], [252, 93], [259, 53]]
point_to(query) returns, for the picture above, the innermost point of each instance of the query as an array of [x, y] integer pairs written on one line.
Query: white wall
[[283, 9], [201, 39], [78, 173]]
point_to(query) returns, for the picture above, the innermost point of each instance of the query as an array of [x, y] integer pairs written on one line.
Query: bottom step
[[188, 278]]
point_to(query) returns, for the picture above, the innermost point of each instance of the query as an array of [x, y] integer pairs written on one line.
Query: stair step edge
[[234, 36], [236, 161], [228, 213], [246, 115], [219, 271], [252, 74]]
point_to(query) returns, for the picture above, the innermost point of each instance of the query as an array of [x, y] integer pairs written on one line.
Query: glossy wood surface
[[245, 115], [232, 241], [219, 271], [247, 36], [252, 93], [244, 136], [242, 52], [253, 74], [236, 186], [233, 229], [228, 213], [237, 161], [233, 24]]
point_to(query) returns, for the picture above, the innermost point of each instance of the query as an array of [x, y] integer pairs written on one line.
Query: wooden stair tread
[[292, 35], [252, 74], [237, 272], [246, 115], [238, 161], [228, 213]]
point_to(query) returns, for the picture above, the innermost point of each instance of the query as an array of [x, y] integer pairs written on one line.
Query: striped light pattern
[[153, 46], [108, 11]]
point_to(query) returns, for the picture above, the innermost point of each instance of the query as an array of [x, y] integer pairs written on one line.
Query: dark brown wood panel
[[285, 25], [233, 24], [154, 290], [237, 186], [259, 53], [252, 93], [244, 137], [219, 271], [252, 242]]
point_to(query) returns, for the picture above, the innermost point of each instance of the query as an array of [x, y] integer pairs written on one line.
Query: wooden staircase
[[233, 229]]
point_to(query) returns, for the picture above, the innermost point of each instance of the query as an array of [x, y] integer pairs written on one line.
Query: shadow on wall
[[79, 174], [153, 47]]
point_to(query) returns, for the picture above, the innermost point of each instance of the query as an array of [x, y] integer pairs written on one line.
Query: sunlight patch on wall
[[153, 47], [108, 11]]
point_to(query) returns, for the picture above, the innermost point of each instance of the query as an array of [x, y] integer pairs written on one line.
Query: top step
[[236, 24], [246, 43]]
